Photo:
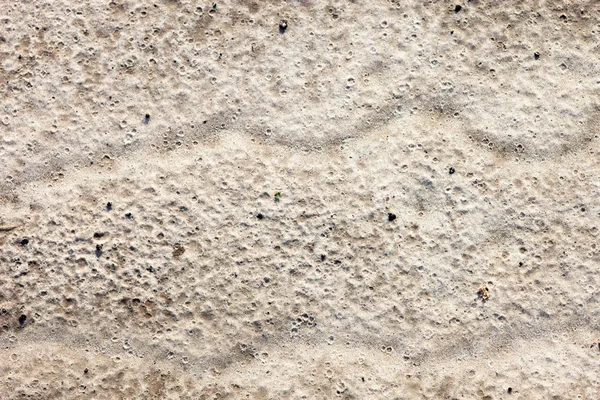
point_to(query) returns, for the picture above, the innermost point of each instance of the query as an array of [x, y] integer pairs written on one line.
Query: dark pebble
[[509, 390], [129, 216], [24, 242], [457, 8], [98, 235], [22, 319], [147, 118], [536, 55], [451, 171], [98, 250], [283, 26], [260, 216], [108, 206], [391, 217]]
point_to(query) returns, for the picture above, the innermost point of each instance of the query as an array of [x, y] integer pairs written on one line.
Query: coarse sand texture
[[299, 199]]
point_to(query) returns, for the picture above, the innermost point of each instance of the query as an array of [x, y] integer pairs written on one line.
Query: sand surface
[[384, 200]]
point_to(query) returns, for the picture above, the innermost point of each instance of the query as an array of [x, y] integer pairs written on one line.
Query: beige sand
[[250, 249]]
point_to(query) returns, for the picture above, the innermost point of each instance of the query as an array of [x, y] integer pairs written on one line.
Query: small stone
[[24, 242], [259, 216], [391, 217], [147, 118], [108, 206], [457, 8], [98, 250], [483, 293], [451, 170], [22, 320], [283, 26], [536, 55]]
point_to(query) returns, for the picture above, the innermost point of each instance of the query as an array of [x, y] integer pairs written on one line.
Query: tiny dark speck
[[536, 55], [85, 371], [509, 390], [451, 170], [98, 251], [129, 216], [457, 8], [260, 216], [283, 26], [108, 206], [391, 217], [22, 319], [147, 118], [24, 242]]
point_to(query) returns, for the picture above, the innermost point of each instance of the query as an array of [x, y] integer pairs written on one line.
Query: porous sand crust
[[376, 200]]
